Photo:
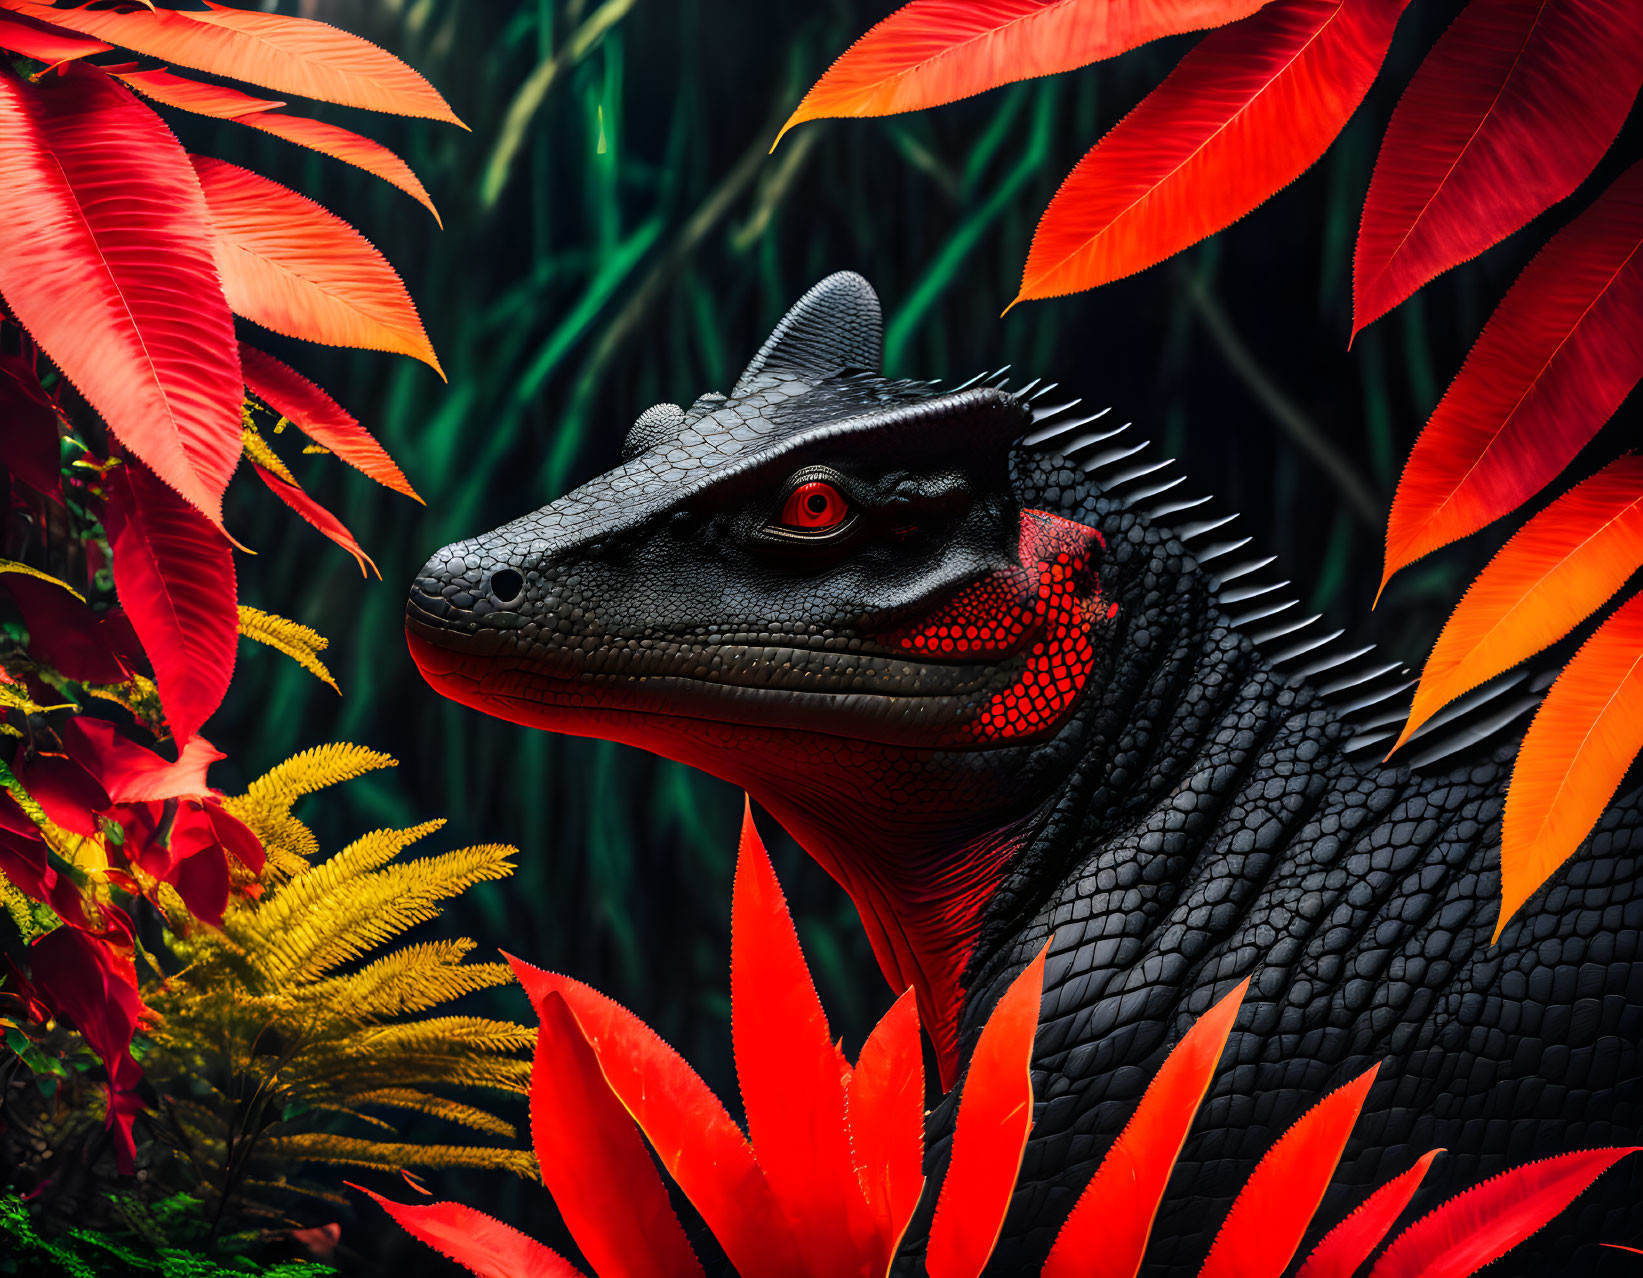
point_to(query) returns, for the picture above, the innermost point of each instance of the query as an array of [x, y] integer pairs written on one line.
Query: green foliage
[[85, 1253]]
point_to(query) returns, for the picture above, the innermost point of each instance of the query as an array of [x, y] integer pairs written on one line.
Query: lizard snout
[[464, 597]]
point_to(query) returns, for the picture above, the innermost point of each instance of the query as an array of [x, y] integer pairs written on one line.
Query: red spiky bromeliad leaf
[[793, 1075], [1578, 748], [471, 1238], [319, 417], [224, 103], [113, 275], [1512, 108], [296, 268], [1278, 1201], [885, 1102], [935, 51], [1246, 112], [1554, 573], [292, 495], [287, 54], [1470, 1230], [1342, 1251], [174, 575], [1561, 351], [995, 1116], [1107, 1233], [594, 1162]]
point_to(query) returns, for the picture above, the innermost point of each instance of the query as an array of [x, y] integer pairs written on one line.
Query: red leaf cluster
[[123, 260]]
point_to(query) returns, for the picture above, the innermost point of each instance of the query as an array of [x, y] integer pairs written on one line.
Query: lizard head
[[822, 551], [825, 589]]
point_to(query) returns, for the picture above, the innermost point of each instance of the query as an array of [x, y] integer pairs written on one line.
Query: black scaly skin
[[1212, 831], [1198, 816]]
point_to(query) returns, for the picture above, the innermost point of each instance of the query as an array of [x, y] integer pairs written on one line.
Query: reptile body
[[1002, 695]]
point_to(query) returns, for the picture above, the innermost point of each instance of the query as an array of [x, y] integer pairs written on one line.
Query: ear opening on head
[[837, 325]]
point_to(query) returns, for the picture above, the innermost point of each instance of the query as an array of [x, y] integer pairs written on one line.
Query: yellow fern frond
[[410, 979], [444, 1034], [267, 800], [410, 1098], [296, 641], [323, 1147], [257, 449]]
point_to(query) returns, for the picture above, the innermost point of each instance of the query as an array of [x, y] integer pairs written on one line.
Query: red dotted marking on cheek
[[1052, 598]]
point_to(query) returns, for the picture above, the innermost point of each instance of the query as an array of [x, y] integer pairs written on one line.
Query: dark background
[[628, 240]]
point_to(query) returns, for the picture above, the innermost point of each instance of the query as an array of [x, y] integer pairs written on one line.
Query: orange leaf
[[293, 496], [1277, 1203], [995, 1115], [259, 113], [1344, 1248], [1578, 748], [319, 417], [1513, 107], [45, 44], [174, 575], [294, 267], [697, 1141], [474, 1240], [289, 55], [1555, 572], [1106, 1234], [1555, 360], [934, 51], [885, 1099], [1244, 114], [1488, 1220], [594, 1163], [792, 1074], [113, 276]]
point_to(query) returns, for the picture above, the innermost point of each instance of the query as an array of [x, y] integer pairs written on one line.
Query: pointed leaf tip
[[474, 1240], [1342, 1251], [1107, 1233], [593, 1161], [1476, 1227], [1578, 749], [995, 1116], [1271, 1213]]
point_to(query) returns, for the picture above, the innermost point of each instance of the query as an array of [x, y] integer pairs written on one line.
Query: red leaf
[[294, 267], [29, 444], [289, 55], [1554, 573], [477, 1241], [69, 794], [1513, 107], [1277, 1202], [1344, 1248], [106, 260], [1106, 1234], [24, 864], [201, 879], [132, 773], [259, 113], [175, 577], [792, 1074], [935, 51], [317, 515], [995, 1114], [1577, 751], [1555, 360], [63, 632], [885, 1101], [82, 979], [698, 1143], [1244, 114], [594, 1163], [45, 44], [1488, 1220], [235, 836], [319, 417]]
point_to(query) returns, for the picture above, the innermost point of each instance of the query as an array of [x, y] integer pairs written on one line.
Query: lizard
[[977, 656]]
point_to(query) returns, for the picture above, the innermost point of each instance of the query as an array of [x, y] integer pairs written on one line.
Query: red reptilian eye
[[814, 507]]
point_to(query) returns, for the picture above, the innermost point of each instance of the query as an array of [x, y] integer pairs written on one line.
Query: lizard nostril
[[507, 585]]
